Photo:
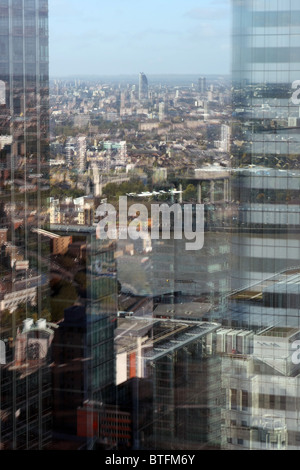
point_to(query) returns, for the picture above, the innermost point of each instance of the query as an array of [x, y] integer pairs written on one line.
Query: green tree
[[190, 192]]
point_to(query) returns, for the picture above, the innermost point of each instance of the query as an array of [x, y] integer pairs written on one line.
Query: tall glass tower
[[266, 138], [24, 185], [143, 87], [24, 182], [262, 386]]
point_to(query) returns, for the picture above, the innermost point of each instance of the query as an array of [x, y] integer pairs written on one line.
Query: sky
[[125, 37]]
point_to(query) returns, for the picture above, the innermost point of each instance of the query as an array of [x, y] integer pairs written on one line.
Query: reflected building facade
[[83, 368], [261, 386], [25, 389], [266, 139], [24, 125]]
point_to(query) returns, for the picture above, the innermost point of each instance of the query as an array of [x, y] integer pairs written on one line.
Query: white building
[[81, 153]]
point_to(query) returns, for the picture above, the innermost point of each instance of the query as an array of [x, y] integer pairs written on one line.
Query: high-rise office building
[[262, 386], [83, 344], [161, 111], [23, 200], [202, 85], [265, 144], [81, 153], [24, 121], [143, 87]]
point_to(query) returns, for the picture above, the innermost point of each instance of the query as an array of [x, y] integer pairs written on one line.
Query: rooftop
[[283, 282], [279, 332], [186, 311], [159, 337]]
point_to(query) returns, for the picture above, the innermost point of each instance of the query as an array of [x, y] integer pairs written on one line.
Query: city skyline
[[149, 227], [169, 38]]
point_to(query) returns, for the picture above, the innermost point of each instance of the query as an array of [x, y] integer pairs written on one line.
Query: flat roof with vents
[[189, 310]]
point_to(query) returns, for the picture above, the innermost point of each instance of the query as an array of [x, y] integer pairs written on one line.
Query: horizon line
[[52, 75]]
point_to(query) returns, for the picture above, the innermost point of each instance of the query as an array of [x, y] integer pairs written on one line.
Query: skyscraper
[[266, 142], [202, 85], [262, 386], [83, 345], [24, 189], [143, 87]]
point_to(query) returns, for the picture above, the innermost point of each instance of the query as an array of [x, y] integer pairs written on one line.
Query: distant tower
[[161, 111], [122, 102], [81, 153], [143, 87], [2, 93], [202, 84], [225, 137]]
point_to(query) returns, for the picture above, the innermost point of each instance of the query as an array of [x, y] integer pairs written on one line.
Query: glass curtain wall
[[25, 379], [261, 387]]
